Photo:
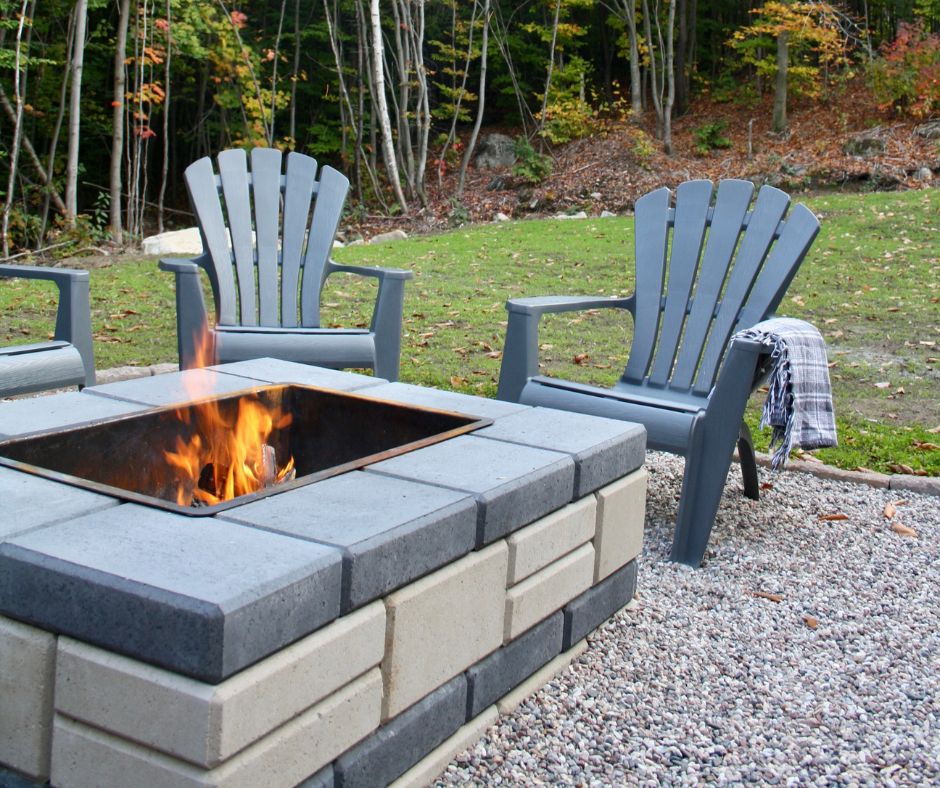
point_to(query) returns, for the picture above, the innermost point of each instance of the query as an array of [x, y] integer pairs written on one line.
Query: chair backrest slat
[[731, 204], [204, 197], [299, 184], [331, 195], [693, 199], [765, 219], [728, 267], [651, 219], [266, 191], [233, 170]]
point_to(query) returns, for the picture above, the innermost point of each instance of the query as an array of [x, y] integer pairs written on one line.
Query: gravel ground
[[805, 651]]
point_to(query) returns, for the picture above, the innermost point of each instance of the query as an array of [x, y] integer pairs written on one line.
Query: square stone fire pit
[[359, 629]]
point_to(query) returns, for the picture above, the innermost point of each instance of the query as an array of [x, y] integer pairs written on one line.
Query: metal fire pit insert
[[330, 433]]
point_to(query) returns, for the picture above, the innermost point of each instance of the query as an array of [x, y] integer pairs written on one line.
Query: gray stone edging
[[925, 485]]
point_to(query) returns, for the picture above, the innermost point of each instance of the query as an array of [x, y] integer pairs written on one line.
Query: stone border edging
[[925, 485]]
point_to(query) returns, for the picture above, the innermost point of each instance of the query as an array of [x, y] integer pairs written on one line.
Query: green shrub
[[710, 136], [530, 166]]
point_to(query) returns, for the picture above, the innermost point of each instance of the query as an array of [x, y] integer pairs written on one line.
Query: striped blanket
[[799, 397]]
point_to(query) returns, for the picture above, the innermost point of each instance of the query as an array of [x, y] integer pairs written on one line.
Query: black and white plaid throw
[[799, 397]]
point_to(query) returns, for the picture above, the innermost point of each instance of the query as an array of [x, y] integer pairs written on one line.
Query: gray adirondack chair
[[709, 266], [267, 256], [68, 359]]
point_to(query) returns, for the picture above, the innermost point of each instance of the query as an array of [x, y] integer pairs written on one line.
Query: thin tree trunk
[[452, 133], [670, 75], [17, 127], [423, 110], [627, 12], [117, 121], [75, 111], [378, 96], [31, 152], [780, 88], [164, 172], [277, 51], [295, 75], [56, 132], [551, 66], [655, 84], [484, 48]]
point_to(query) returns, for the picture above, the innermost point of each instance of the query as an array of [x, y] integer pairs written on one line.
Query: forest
[[105, 102]]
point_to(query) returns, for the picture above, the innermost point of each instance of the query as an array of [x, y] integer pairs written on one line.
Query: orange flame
[[228, 454]]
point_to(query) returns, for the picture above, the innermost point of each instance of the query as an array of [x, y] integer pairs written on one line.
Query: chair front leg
[[520, 355], [748, 462], [386, 327], [193, 338], [73, 321]]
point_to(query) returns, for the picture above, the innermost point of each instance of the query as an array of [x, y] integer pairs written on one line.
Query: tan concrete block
[[442, 624], [621, 511], [536, 546], [206, 724], [508, 703], [548, 590], [429, 767], [85, 757], [27, 674]]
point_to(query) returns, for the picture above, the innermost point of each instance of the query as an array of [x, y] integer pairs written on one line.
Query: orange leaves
[[890, 513], [828, 518]]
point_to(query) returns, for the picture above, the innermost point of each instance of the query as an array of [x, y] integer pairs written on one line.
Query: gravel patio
[[806, 650]]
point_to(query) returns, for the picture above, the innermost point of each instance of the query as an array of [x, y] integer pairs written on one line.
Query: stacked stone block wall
[[387, 693]]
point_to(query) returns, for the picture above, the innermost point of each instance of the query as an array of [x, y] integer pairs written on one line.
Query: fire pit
[[356, 627], [204, 457]]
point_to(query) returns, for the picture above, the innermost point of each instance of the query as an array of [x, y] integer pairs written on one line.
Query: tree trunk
[[682, 47], [165, 166], [17, 127], [780, 88], [117, 121], [626, 10], [670, 75], [381, 105], [468, 153], [551, 65], [295, 75], [75, 111]]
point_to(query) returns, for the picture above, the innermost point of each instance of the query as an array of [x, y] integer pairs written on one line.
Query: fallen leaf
[[934, 430], [924, 446], [903, 530], [833, 517], [494, 354], [900, 468], [581, 358], [767, 485], [811, 621], [889, 511], [456, 380], [768, 595]]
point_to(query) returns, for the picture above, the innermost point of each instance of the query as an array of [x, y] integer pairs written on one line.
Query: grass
[[871, 284]]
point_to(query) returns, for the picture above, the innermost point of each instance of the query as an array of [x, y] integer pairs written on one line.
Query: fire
[[228, 454]]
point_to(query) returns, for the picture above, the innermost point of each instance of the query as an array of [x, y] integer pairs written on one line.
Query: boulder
[[929, 130], [866, 143], [501, 217], [175, 242], [392, 235], [495, 150], [578, 215]]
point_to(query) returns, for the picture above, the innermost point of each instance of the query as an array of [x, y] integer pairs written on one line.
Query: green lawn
[[871, 284]]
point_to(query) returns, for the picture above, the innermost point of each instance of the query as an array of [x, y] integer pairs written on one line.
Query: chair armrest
[[540, 305], [521, 351], [61, 276], [73, 314], [373, 271], [179, 265]]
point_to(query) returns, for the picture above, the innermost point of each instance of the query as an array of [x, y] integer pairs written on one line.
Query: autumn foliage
[[907, 77]]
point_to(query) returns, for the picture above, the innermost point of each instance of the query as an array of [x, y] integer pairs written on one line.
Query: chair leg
[[748, 463], [706, 470]]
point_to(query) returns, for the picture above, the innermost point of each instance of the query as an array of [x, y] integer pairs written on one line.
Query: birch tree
[[381, 105], [117, 121], [75, 111], [18, 78]]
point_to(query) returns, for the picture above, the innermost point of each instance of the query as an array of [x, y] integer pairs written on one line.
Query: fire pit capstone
[[338, 631]]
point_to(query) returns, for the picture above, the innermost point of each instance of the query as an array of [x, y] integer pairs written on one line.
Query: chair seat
[[335, 348], [667, 422], [57, 365], [33, 347]]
